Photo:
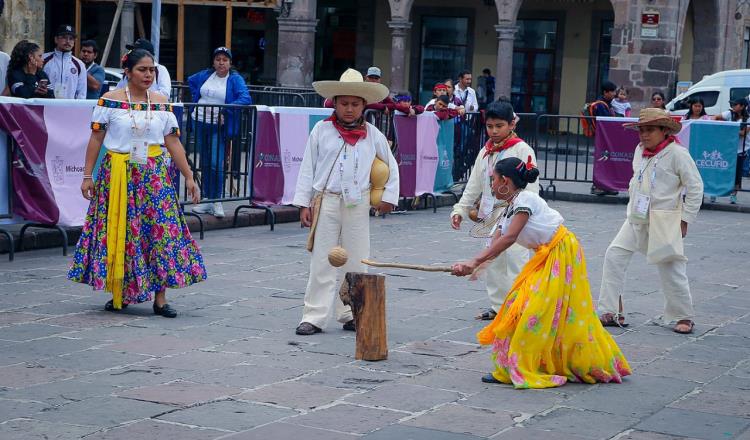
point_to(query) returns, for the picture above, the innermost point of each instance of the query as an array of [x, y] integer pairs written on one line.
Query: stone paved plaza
[[231, 367]]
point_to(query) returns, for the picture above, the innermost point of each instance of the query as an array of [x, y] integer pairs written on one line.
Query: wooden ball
[[337, 256], [474, 214]]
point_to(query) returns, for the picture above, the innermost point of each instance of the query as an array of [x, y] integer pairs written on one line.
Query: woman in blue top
[[215, 86]]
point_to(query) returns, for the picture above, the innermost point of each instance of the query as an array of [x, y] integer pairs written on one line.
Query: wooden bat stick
[[409, 266]]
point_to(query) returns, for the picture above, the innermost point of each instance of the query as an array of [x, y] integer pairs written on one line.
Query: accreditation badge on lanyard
[[348, 168], [139, 139], [642, 201]]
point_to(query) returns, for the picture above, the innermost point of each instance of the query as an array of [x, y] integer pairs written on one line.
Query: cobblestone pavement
[[231, 367]]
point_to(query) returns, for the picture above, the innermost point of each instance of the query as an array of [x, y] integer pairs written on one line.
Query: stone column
[[127, 25], [399, 29], [20, 21], [296, 44], [506, 33], [646, 64]]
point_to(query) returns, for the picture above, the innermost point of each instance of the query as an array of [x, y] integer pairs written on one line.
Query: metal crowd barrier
[[261, 95], [220, 144], [563, 152]]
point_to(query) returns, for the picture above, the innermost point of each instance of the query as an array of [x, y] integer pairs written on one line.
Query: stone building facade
[[546, 55]]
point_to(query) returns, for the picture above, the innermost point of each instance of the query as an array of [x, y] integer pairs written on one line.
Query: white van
[[716, 91]]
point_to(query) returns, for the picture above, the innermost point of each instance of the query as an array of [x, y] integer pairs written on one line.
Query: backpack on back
[[588, 125]]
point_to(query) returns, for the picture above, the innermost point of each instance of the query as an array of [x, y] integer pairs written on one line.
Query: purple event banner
[[281, 137], [613, 153], [47, 169], [417, 153]]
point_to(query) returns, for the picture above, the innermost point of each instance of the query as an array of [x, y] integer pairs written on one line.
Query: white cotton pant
[[502, 272], [337, 226], [678, 304]]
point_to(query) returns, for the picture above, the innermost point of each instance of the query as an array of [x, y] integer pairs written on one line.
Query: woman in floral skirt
[[135, 241], [546, 333]]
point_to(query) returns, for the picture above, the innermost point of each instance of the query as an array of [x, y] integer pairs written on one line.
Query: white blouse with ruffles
[[542, 224], [113, 117]]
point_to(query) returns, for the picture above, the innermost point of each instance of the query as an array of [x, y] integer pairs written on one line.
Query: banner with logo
[[713, 146], [47, 167], [417, 153], [613, 153], [444, 172], [280, 140]]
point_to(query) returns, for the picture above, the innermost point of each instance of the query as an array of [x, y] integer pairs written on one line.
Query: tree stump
[[365, 293]]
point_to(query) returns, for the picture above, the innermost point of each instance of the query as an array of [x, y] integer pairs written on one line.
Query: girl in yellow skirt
[[546, 333]]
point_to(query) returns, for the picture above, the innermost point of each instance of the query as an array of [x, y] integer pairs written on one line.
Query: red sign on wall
[[650, 18]]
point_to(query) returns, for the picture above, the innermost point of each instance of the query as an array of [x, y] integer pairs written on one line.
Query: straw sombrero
[[655, 117], [351, 83]]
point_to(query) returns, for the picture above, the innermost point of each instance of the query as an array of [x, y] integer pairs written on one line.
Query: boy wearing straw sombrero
[[657, 221], [333, 192]]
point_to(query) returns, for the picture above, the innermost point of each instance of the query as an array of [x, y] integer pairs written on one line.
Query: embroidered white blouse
[[542, 224], [114, 117]]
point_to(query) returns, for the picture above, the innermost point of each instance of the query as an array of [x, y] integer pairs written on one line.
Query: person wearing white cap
[[333, 192]]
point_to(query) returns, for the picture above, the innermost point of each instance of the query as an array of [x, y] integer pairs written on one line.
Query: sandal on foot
[[110, 306], [489, 378], [684, 327], [613, 320], [487, 315]]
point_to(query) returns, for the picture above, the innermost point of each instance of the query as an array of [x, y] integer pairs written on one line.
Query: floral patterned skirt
[[159, 250], [547, 331]]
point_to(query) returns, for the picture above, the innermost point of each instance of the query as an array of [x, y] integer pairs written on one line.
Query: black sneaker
[[349, 326], [166, 311]]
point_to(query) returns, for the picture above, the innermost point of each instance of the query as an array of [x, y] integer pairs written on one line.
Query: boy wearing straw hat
[[657, 221], [335, 176]]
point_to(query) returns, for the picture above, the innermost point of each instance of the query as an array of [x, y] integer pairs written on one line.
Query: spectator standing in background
[[163, 82], [620, 104], [658, 100], [603, 106], [738, 113], [465, 93], [67, 74], [94, 72], [25, 78], [485, 88], [216, 85]]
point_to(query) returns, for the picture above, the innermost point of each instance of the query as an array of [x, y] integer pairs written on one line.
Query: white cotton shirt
[[479, 179], [542, 224], [67, 75], [113, 117], [469, 98], [675, 174], [322, 156], [213, 92]]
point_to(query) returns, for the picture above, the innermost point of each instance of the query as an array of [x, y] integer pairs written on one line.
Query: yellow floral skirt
[[547, 332]]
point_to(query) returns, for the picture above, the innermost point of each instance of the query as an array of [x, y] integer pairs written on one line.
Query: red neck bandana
[[490, 148], [661, 146], [351, 135]]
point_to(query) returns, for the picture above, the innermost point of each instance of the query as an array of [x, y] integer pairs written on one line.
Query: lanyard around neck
[[133, 125]]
